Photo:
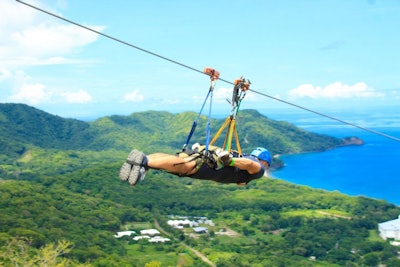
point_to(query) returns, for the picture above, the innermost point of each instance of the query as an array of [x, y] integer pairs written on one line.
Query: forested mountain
[[22, 126], [59, 181]]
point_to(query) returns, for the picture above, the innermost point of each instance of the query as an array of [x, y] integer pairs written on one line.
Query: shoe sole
[[130, 172]]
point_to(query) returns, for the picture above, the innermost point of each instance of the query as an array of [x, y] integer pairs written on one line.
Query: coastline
[[352, 169], [345, 141]]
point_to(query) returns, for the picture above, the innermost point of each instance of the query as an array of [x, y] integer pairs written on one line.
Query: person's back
[[228, 174]]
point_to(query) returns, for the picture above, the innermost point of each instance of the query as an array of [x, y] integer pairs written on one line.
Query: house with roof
[[150, 232], [200, 230], [158, 239], [124, 233], [390, 229], [179, 224]]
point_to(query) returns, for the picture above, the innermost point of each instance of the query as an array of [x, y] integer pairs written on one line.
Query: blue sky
[[328, 56]]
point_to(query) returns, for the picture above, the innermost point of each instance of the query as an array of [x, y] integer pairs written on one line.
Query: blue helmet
[[262, 154]]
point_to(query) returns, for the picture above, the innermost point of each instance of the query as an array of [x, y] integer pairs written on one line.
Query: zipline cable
[[329, 117], [200, 71]]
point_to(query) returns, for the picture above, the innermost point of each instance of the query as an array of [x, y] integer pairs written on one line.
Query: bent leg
[[170, 163]]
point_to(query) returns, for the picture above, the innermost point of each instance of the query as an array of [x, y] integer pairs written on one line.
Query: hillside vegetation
[[59, 186]]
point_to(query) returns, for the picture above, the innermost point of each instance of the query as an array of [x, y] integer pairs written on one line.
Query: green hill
[[23, 127], [63, 185]]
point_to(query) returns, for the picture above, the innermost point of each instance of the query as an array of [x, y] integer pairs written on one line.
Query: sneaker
[[132, 169]]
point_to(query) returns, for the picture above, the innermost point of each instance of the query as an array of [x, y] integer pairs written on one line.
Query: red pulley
[[214, 74]]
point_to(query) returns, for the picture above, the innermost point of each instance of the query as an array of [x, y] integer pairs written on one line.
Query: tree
[[371, 259], [19, 252], [393, 262]]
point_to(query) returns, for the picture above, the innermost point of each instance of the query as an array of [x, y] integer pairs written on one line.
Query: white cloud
[[46, 39], [80, 97], [32, 94], [134, 96], [334, 90], [27, 37], [4, 74], [26, 91], [222, 94], [31, 38]]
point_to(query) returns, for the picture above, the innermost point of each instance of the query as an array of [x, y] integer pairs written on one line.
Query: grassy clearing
[[374, 236], [26, 157], [144, 253], [137, 226], [317, 213]]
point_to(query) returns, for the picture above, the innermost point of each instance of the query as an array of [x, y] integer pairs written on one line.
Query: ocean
[[371, 170]]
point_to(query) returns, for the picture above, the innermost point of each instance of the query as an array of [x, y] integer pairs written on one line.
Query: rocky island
[[352, 141]]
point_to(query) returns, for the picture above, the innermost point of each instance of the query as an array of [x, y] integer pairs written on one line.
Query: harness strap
[[214, 75], [208, 130], [202, 156], [194, 125], [188, 157]]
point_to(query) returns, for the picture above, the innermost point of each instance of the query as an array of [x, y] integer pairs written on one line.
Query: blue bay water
[[371, 170]]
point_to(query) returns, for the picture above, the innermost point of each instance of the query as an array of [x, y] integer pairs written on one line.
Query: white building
[[124, 233], [139, 237], [200, 230], [390, 229], [179, 224], [158, 239], [150, 232]]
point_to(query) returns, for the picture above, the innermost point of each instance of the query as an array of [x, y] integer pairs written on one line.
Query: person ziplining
[[205, 162], [222, 167], [137, 163]]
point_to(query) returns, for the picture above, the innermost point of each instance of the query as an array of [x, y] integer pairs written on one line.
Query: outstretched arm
[[251, 166]]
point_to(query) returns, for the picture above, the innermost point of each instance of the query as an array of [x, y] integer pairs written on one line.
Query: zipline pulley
[[214, 74], [241, 85]]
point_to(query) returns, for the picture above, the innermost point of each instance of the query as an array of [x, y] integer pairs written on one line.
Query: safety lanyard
[[214, 75]]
